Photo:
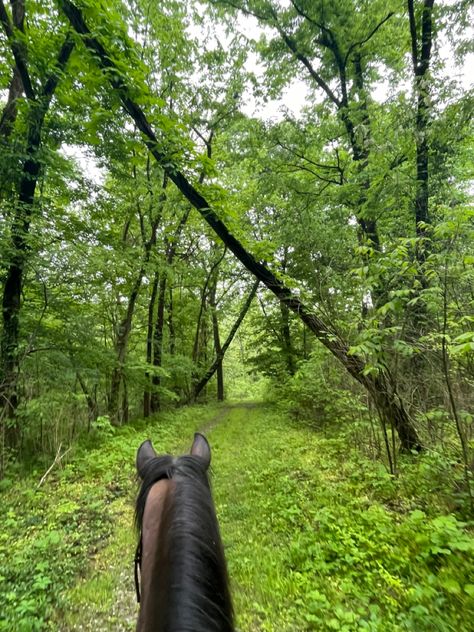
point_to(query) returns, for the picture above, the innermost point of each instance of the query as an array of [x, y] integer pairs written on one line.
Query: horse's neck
[[172, 598], [151, 618]]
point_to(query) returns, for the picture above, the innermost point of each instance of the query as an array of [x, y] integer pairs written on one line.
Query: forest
[[252, 218]]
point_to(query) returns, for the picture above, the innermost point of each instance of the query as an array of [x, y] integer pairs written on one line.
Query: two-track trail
[[317, 536], [104, 599]]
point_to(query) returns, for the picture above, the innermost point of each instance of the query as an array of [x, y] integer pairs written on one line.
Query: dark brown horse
[[184, 583]]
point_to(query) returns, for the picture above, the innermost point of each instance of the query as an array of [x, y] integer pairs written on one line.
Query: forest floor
[[317, 536]]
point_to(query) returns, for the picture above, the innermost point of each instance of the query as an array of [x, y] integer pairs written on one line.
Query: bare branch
[[300, 167], [290, 42], [303, 157], [18, 52], [57, 459], [369, 36]]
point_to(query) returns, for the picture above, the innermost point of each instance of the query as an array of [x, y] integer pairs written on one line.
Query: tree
[[380, 387], [39, 100]]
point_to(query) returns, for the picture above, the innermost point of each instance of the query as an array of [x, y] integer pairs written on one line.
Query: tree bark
[[158, 345], [202, 307], [421, 62], [217, 340], [149, 345], [157, 338], [172, 345], [121, 344], [380, 387]]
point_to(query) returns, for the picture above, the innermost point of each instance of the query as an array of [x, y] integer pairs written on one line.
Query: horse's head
[[146, 452], [183, 571]]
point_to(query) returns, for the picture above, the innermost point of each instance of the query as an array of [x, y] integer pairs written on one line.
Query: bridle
[[138, 565]]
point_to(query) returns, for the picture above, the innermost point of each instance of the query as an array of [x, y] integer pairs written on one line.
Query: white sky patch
[[214, 35], [86, 162]]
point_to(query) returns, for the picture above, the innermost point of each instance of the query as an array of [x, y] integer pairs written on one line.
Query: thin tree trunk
[[172, 333], [202, 307], [158, 345], [157, 339], [421, 56], [217, 340], [149, 345], [90, 400], [421, 63], [125, 402], [123, 333], [381, 387], [218, 360]]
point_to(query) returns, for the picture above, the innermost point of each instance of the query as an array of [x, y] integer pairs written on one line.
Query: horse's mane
[[190, 548]]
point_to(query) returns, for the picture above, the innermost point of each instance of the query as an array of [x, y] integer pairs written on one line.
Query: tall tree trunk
[[381, 387], [172, 333], [158, 344], [421, 62], [217, 340], [361, 155], [219, 358], [125, 402], [123, 332], [202, 307], [421, 55], [149, 345], [157, 338], [121, 344], [12, 290]]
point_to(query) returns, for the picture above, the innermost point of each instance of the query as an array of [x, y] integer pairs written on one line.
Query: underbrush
[[315, 397], [319, 537], [50, 533]]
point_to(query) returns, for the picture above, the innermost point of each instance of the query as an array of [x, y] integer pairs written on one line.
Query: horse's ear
[[144, 453], [201, 448]]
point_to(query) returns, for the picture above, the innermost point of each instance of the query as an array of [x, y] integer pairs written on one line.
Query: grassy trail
[[316, 537]]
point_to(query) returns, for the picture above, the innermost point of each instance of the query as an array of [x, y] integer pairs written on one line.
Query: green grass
[[317, 537], [312, 542], [57, 557]]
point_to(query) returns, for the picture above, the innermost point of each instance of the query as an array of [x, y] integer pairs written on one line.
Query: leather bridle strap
[[138, 564]]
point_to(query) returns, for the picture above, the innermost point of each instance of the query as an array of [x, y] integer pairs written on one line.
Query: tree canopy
[[347, 223]]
